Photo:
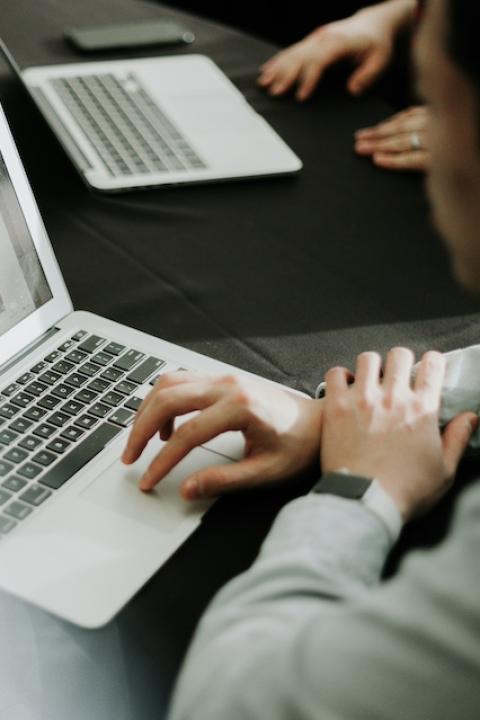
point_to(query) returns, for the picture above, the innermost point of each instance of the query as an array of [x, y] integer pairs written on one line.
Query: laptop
[[130, 124], [77, 537]]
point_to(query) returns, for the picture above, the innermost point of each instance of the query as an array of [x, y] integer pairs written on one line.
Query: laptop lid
[[33, 295]]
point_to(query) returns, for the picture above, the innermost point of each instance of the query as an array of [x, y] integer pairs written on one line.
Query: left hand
[[399, 143], [281, 429]]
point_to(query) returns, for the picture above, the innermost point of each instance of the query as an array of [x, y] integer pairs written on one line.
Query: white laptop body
[[85, 550], [211, 132]]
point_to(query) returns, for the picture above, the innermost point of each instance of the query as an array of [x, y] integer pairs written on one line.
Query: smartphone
[[128, 35]]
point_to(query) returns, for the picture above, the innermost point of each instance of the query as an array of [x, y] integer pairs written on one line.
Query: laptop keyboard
[[61, 413], [125, 125]]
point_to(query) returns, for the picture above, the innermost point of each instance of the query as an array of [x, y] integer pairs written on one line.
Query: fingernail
[[145, 481], [126, 456], [474, 423], [191, 489]]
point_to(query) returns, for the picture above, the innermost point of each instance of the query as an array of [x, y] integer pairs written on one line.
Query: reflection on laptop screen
[[23, 285]]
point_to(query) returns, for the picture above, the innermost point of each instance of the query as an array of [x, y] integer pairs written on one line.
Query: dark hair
[[463, 38]]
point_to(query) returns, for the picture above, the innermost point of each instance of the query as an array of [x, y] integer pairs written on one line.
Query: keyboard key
[[125, 387], [147, 368], [45, 431], [4, 496], [79, 456], [113, 399], [59, 445], [6, 525], [89, 368], [30, 442], [44, 458], [5, 468], [128, 360], [99, 410], [16, 455], [52, 356], [133, 403], [34, 413], [14, 483], [102, 358], [76, 380], [91, 344], [62, 391], [72, 433], [86, 396], [66, 345], [13, 387], [76, 356], [78, 335], [36, 388], [114, 348], [7, 437], [59, 419], [29, 470], [8, 411], [22, 400], [49, 402], [37, 368], [63, 367], [35, 495], [86, 421], [18, 510], [99, 385], [72, 407], [49, 377], [26, 377], [20, 425], [112, 374], [122, 417]]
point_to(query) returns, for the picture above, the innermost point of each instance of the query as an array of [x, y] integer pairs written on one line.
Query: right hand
[[383, 428], [367, 38], [281, 429]]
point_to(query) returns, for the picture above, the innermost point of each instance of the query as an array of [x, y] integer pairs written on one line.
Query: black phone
[[128, 35]]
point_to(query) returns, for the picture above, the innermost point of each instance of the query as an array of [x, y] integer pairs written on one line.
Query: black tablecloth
[[283, 277]]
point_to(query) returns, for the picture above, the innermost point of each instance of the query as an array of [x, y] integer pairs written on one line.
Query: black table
[[283, 277]]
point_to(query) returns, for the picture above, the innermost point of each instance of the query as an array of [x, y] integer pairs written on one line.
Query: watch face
[[352, 487]]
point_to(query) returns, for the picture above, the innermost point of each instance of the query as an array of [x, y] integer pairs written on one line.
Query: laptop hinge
[[27, 350]]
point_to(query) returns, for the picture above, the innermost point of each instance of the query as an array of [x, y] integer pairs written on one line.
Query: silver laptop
[[138, 123], [77, 537]]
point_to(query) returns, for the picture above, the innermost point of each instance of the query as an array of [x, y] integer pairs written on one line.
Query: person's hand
[[281, 429], [367, 38], [399, 143], [388, 430]]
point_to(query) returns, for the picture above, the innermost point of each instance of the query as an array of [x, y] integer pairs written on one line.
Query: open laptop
[[130, 124], [77, 537]]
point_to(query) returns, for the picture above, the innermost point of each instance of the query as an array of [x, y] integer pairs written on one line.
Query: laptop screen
[[23, 285]]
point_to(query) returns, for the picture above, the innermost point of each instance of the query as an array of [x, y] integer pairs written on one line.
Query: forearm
[[321, 550], [398, 14]]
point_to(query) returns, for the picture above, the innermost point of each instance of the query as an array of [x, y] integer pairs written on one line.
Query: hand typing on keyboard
[[282, 431]]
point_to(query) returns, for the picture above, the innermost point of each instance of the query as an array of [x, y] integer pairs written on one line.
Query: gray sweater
[[310, 631]]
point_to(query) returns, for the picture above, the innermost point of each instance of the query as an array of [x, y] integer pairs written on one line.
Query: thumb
[[368, 71], [455, 439]]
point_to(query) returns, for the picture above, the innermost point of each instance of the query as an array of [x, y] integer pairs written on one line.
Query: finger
[[398, 370], [395, 143], [430, 374], [286, 77], [171, 380], [411, 122], [214, 421], [163, 407], [309, 80], [369, 70], [336, 380], [416, 160], [367, 373], [221, 479], [455, 439]]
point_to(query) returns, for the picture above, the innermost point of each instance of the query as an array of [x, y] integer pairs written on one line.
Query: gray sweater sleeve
[[310, 632]]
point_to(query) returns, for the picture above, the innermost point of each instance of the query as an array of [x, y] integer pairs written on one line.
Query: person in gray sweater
[[311, 630]]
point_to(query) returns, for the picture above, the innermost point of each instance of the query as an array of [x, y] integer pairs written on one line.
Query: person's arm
[[367, 38], [309, 633]]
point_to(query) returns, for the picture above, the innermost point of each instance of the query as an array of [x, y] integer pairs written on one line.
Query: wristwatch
[[368, 491]]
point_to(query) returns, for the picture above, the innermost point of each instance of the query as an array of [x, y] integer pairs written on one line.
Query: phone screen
[[108, 37]]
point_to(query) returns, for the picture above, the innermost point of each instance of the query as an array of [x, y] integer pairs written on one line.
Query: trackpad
[[163, 509]]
